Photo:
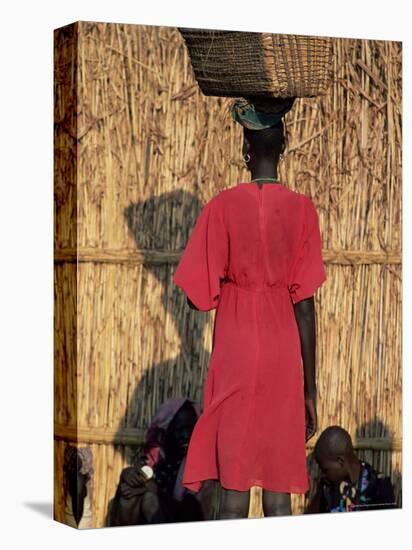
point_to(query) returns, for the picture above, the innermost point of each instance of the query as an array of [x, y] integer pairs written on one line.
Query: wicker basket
[[235, 63]]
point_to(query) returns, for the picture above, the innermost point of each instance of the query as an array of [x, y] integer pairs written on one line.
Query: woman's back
[[254, 237], [250, 254], [264, 226]]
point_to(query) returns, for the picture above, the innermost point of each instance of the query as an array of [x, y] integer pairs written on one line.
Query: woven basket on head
[[236, 63]]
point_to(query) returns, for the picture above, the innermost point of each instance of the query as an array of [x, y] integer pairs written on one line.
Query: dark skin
[[265, 165], [134, 486], [235, 504], [334, 469], [78, 491]]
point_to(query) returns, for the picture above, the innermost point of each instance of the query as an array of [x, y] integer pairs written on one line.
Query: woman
[[161, 497], [255, 256]]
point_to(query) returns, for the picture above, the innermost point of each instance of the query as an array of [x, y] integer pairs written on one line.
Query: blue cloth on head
[[245, 113]]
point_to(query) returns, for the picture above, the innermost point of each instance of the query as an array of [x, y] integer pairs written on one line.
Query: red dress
[[253, 252]]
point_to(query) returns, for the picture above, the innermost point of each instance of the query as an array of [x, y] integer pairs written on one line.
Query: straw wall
[[132, 170]]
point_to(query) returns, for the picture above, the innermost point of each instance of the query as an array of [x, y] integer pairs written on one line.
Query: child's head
[[180, 430], [334, 453]]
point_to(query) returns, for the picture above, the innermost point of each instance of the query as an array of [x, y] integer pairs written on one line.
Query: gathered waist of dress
[[266, 287]]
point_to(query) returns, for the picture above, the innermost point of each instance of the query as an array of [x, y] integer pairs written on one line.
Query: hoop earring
[[246, 159]]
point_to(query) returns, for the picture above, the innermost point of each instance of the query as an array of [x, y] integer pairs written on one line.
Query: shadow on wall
[[161, 225]]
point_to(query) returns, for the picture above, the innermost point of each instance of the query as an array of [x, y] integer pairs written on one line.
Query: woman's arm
[[305, 318], [191, 304]]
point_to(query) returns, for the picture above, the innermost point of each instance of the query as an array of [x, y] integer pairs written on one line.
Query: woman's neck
[[264, 171]]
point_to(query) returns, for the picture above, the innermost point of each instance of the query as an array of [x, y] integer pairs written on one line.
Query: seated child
[[151, 490], [347, 484]]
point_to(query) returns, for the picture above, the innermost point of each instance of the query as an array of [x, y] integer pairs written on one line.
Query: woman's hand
[[311, 417], [132, 482]]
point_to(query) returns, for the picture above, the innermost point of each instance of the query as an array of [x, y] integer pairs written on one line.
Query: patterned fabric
[[372, 491]]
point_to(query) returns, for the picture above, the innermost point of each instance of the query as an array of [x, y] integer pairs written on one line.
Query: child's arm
[[314, 505], [317, 504]]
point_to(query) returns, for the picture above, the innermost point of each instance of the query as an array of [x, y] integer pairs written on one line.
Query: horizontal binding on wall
[[134, 436], [159, 257], [105, 436]]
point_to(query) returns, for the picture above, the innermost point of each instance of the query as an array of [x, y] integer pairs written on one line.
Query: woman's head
[[264, 145], [264, 138]]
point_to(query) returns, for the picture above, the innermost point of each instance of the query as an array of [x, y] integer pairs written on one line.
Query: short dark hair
[[333, 441], [268, 142]]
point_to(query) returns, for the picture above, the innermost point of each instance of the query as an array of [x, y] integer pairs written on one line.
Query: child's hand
[[316, 487], [321, 479], [311, 417]]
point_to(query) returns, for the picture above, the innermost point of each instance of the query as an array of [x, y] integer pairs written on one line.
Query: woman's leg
[[234, 504], [276, 504]]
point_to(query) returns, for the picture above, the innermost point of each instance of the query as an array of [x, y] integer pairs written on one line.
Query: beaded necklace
[[266, 179]]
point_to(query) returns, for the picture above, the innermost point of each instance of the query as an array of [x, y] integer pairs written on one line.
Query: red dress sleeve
[[205, 258], [308, 271]]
